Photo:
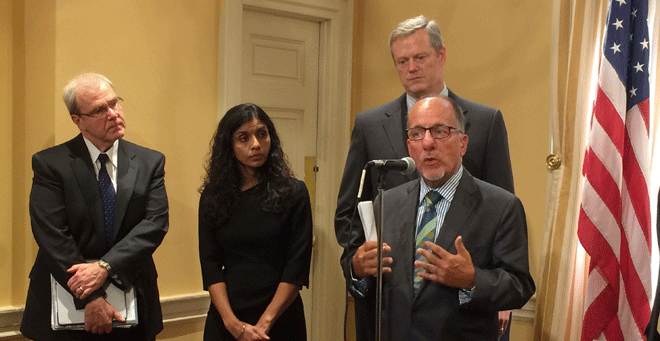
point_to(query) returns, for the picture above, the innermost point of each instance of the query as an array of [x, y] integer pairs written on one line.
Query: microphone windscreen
[[411, 165]]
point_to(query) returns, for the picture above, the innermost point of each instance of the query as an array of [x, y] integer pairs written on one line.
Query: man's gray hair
[[409, 26], [458, 113], [85, 80]]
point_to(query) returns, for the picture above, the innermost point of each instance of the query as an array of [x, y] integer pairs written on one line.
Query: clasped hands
[[454, 270], [248, 332], [87, 278]]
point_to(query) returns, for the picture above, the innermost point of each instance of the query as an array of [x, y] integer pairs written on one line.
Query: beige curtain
[[577, 27]]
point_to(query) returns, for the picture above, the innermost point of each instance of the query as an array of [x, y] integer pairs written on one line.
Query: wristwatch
[[107, 266]]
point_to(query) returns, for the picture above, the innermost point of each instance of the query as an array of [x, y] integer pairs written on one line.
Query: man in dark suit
[[379, 133], [452, 262], [99, 210]]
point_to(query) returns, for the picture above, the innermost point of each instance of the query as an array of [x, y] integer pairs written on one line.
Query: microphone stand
[[379, 258]]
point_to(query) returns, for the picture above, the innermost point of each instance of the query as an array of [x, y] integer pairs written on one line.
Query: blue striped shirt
[[447, 191]]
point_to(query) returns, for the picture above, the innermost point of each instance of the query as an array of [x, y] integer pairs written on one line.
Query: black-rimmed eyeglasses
[[438, 131]]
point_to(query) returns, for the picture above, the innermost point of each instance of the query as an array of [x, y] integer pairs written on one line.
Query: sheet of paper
[[366, 211]]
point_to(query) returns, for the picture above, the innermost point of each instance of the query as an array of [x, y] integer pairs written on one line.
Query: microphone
[[405, 165]]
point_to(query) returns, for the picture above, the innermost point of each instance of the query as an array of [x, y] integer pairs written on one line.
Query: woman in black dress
[[255, 233]]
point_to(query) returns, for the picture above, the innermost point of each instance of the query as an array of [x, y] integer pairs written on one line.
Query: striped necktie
[[108, 199], [425, 231]]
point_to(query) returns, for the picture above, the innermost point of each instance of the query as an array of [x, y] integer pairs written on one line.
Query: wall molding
[[190, 308], [176, 309], [185, 308], [527, 312], [10, 322]]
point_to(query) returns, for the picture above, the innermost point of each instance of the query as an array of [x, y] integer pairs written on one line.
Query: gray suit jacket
[[379, 133], [492, 224], [67, 223]]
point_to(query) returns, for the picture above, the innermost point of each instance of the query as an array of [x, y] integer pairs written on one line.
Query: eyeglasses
[[438, 131], [102, 110]]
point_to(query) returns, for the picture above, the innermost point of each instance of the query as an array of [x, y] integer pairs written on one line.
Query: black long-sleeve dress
[[252, 253]]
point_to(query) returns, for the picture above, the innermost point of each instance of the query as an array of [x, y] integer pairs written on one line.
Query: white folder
[[65, 316], [366, 211]]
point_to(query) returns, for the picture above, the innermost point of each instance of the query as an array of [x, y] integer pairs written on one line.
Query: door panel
[[280, 57]]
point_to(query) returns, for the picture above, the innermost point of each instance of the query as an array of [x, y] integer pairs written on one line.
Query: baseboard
[[185, 308], [527, 312], [189, 308], [176, 309], [10, 322]]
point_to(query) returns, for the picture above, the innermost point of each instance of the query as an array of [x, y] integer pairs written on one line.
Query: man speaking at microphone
[[455, 247], [419, 56]]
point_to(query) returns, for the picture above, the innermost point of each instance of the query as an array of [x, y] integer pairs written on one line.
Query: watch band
[[107, 266]]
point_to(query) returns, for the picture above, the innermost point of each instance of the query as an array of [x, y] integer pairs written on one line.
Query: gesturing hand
[[365, 259], [446, 268]]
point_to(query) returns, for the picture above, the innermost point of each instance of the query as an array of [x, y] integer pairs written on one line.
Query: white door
[[280, 66]]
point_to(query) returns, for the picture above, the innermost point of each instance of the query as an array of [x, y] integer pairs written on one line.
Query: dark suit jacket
[[379, 133], [652, 327], [493, 226], [67, 223]]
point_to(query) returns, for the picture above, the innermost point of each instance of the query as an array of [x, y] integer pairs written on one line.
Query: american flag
[[615, 224]]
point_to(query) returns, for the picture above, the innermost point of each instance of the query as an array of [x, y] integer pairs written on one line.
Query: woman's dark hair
[[223, 179]]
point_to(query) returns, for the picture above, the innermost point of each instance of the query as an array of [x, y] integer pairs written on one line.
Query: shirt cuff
[[361, 285], [465, 295]]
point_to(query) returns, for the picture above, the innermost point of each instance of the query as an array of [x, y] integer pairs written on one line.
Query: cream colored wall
[[5, 150], [498, 53]]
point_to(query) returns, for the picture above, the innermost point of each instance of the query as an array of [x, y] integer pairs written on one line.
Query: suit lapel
[[81, 164], [393, 126], [461, 207], [126, 176], [407, 214]]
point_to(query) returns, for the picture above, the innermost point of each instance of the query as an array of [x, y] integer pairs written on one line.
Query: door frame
[[335, 18]]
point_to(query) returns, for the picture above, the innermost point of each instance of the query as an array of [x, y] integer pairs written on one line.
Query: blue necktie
[[425, 231], [108, 199]]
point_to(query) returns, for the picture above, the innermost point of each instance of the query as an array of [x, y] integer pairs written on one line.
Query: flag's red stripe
[[613, 330], [637, 189], [599, 314], [608, 118], [603, 183], [602, 254], [644, 111]]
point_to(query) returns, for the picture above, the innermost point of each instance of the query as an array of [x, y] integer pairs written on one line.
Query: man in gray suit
[[99, 210], [455, 246], [379, 133]]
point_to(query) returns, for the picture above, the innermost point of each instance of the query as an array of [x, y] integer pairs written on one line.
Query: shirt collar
[[447, 190], [410, 101], [95, 152]]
